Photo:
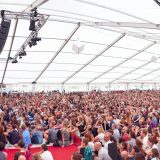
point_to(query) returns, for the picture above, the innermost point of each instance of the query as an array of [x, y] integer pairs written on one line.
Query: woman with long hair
[[75, 134], [65, 134], [100, 136]]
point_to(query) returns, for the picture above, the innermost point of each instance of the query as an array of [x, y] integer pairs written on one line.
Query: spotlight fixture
[[34, 12], [30, 44], [14, 61], [34, 41], [33, 82], [22, 53], [33, 20]]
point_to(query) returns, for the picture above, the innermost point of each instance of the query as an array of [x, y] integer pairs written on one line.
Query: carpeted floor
[[58, 153]]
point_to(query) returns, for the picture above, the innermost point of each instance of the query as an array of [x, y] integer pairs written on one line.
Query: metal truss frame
[[35, 4]]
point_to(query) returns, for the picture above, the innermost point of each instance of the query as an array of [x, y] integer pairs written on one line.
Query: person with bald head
[[21, 157], [102, 152], [107, 140]]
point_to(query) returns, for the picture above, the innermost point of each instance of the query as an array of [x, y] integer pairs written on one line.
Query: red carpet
[[58, 153]]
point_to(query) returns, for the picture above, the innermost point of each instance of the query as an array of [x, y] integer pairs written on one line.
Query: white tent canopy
[[121, 43]]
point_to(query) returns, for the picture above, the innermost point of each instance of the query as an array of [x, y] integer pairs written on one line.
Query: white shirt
[[154, 146], [106, 144], [101, 138], [144, 141], [116, 134], [103, 154], [91, 145], [46, 155]]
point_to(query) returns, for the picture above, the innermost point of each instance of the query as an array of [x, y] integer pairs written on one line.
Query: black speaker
[[4, 30]]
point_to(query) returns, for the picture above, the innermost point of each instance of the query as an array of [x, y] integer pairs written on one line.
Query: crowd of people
[[117, 125]]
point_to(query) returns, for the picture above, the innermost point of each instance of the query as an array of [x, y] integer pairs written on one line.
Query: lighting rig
[[37, 21]]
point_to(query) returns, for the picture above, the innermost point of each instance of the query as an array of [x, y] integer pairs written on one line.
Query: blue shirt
[[39, 136], [26, 138]]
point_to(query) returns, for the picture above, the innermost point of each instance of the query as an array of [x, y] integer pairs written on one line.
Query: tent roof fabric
[[119, 41]]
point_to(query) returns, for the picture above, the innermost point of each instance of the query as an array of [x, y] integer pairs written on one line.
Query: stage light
[[30, 44], [14, 61], [33, 20], [33, 82], [22, 53], [34, 41]]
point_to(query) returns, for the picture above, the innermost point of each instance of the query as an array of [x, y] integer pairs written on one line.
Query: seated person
[[64, 135], [13, 135], [37, 136], [50, 135]]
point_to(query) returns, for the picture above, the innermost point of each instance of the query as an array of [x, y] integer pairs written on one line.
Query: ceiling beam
[[35, 4], [95, 57], [148, 73], [132, 71], [59, 50], [123, 24], [147, 37], [140, 51], [114, 10]]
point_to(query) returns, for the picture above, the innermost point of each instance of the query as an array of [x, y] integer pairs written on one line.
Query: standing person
[[23, 150], [107, 140], [26, 137], [75, 134], [3, 155], [87, 151], [45, 155], [102, 152], [100, 136], [144, 137]]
